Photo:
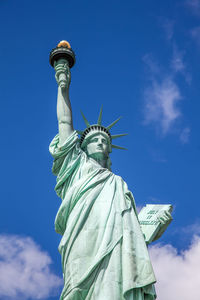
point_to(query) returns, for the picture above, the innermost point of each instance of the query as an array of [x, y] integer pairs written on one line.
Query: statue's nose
[[100, 143]]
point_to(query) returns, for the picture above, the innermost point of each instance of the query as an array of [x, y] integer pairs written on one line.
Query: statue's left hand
[[165, 219]]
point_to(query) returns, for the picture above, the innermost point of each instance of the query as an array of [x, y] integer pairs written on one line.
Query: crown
[[99, 128]]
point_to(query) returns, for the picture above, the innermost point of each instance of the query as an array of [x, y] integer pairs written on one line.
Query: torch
[[62, 58]]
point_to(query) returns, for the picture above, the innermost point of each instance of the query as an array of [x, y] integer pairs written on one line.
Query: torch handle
[[63, 74]]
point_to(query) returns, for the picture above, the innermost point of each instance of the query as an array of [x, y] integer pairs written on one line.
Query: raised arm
[[64, 111]]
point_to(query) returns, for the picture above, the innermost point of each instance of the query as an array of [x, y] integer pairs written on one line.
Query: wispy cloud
[[195, 33], [177, 273], [178, 65], [168, 26], [157, 156], [162, 95], [138, 208], [194, 5], [193, 229], [25, 270], [161, 100], [177, 61], [185, 135]]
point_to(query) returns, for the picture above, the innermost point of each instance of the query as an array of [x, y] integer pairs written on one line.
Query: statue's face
[[98, 144]]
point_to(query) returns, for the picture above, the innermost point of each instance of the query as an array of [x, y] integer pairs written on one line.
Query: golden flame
[[64, 44]]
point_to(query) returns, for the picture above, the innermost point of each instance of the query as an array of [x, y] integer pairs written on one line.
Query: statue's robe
[[104, 255]]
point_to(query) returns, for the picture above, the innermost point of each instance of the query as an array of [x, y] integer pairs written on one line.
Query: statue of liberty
[[103, 250]]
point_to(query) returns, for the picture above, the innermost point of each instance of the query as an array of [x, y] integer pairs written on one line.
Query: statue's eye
[[104, 142], [94, 140]]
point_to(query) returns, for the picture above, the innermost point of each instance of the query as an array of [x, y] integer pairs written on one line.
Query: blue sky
[[140, 59]]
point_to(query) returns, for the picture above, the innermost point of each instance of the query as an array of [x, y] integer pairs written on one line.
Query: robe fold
[[104, 255]]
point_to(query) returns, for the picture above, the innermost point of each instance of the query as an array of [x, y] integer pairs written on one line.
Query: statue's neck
[[102, 160]]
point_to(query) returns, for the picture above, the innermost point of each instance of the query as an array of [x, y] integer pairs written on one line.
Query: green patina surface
[[103, 250], [104, 255]]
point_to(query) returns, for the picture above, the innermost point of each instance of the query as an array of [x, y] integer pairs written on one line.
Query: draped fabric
[[104, 255]]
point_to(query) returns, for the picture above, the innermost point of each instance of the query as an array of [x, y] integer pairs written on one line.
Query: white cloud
[[178, 275], [161, 100], [25, 270]]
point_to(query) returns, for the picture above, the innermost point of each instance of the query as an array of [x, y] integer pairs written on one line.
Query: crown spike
[[118, 147], [115, 136], [85, 120], [113, 123], [100, 116]]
